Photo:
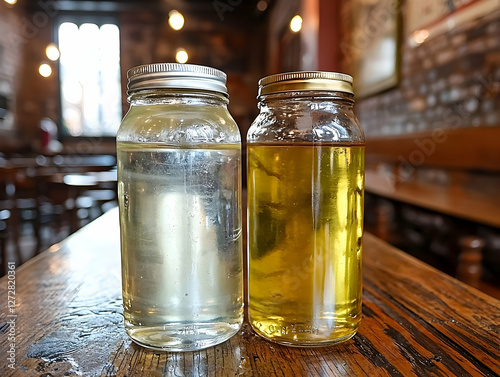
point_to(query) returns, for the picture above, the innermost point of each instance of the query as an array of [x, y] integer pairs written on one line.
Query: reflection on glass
[[90, 78]]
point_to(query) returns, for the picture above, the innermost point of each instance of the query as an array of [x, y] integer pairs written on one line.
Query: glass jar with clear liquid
[[179, 189], [305, 180]]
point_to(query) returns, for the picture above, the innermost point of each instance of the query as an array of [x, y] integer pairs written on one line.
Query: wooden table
[[416, 322]]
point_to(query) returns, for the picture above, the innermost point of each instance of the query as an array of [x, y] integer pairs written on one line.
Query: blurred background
[[427, 83]]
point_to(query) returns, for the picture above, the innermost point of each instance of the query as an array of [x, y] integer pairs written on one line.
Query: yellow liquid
[[305, 226]]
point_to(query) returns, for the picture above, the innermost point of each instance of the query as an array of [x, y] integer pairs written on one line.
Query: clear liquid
[[180, 226], [305, 206]]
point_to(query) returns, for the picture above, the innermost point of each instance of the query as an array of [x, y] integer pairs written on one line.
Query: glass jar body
[[305, 218], [180, 218]]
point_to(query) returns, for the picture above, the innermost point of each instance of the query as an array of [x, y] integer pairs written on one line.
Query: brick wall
[[24, 37], [452, 80]]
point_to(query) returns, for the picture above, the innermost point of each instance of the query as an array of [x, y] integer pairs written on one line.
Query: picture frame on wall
[[376, 36]]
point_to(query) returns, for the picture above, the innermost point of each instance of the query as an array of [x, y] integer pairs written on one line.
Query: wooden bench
[[455, 172]]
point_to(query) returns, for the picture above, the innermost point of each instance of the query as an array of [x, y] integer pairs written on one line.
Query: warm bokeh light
[[52, 52], [11, 2], [181, 56], [45, 70], [262, 5], [175, 20], [296, 24], [420, 36]]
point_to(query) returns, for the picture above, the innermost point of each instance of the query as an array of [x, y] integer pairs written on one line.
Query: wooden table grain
[[67, 321]]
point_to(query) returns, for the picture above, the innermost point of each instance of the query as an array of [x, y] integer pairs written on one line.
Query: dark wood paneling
[[464, 148]]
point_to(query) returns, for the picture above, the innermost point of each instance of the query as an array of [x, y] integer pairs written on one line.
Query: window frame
[[80, 18]]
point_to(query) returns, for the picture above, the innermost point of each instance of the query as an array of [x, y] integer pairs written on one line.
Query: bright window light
[[296, 24], [175, 20], [90, 79]]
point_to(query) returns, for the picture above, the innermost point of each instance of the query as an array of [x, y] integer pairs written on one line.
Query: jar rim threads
[[305, 81]]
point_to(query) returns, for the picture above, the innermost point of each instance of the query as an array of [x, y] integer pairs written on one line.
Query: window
[[89, 78]]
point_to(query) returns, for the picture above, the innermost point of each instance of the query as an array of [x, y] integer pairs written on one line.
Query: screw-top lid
[[176, 76], [304, 81]]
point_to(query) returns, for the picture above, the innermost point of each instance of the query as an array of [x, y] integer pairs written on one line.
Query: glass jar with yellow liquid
[[305, 210], [179, 191]]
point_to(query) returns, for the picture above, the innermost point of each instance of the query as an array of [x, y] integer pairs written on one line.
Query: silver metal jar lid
[[176, 76], [304, 81]]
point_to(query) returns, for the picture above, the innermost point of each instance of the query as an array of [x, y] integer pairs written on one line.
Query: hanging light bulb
[[52, 52], [45, 70], [175, 20], [296, 24], [181, 56], [262, 5], [11, 2]]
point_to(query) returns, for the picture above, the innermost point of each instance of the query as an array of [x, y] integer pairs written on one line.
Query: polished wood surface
[[417, 321]]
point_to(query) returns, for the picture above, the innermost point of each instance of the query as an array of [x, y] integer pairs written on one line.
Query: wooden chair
[[470, 261]]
